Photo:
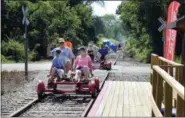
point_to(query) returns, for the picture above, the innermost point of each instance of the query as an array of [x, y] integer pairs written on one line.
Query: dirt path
[[21, 66]]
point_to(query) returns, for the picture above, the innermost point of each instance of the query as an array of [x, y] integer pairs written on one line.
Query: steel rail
[[34, 101], [89, 106]]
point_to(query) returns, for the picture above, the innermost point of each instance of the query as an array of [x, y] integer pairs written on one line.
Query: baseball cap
[[60, 40], [82, 48]]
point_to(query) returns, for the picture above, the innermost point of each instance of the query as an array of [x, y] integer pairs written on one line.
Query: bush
[[14, 50], [32, 56], [140, 49], [177, 59], [3, 58]]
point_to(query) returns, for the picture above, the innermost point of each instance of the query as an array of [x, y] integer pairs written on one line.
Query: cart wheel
[[41, 95], [54, 88], [95, 93], [98, 90]]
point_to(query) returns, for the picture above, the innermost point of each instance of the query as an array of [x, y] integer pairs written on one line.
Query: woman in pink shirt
[[82, 65]]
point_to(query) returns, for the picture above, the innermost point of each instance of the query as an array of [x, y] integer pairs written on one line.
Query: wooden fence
[[167, 86]]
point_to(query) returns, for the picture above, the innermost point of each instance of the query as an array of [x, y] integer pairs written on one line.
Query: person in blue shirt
[[58, 66], [65, 52], [104, 50]]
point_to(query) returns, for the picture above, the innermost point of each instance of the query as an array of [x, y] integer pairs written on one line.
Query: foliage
[[140, 24], [101, 38], [109, 25], [72, 20], [177, 59], [14, 50]]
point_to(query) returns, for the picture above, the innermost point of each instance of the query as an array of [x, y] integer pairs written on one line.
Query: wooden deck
[[121, 98]]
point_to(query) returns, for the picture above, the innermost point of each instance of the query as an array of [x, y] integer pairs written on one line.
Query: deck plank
[[98, 101], [146, 99], [115, 100], [105, 98], [120, 101], [108, 104], [126, 110], [125, 99]]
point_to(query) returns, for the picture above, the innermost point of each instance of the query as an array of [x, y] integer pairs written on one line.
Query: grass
[[177, 59]]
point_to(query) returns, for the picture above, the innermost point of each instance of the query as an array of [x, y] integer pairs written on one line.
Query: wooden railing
[[167, 86]]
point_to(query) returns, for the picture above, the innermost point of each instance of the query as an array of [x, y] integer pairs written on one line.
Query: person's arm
[[50, 69], [65, 62], [71, 56], [74, 64], [90, 65], [53, 52]]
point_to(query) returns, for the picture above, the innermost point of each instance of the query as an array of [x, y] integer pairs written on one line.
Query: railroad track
[[56, 106]]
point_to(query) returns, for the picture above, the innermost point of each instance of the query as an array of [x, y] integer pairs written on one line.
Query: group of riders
[[64, 62]]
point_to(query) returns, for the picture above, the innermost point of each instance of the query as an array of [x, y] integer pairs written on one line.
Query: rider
[[58, 66], [90, 51], [103, 51], [65, 52], [82, 65], [119, 46]]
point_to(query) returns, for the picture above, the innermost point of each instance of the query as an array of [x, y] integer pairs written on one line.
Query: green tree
[[140, 23], [49, 20]]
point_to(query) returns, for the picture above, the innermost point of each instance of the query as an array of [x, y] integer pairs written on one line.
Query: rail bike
[[102, 63], [69, 86]]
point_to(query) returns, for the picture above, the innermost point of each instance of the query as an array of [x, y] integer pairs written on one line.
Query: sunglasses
[[61, 42]]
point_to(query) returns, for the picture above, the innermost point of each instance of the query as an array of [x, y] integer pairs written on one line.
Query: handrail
[[169, 62], [166, 60], [155, 109], [171, 81], [167, 76]]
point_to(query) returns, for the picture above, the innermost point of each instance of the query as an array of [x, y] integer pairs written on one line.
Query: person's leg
[[92, 57], [67, 66], [78, 75], [60, 73], [53, 73], [86, 72]]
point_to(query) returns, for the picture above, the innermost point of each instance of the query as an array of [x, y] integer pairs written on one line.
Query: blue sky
[[109, 8]]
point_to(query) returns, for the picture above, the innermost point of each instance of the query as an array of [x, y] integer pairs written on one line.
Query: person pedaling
[[103, 63], [82, 65], [91, 51], [119, 46], [65, 51], [58, 67]]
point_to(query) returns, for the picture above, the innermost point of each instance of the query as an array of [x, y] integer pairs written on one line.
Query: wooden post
[[168, 100], [168, 97], [154, 84], [159, 91], [180, 101], [183, 59], [154, 61]]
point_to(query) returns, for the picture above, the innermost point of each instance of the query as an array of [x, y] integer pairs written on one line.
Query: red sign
[[170, 33]]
